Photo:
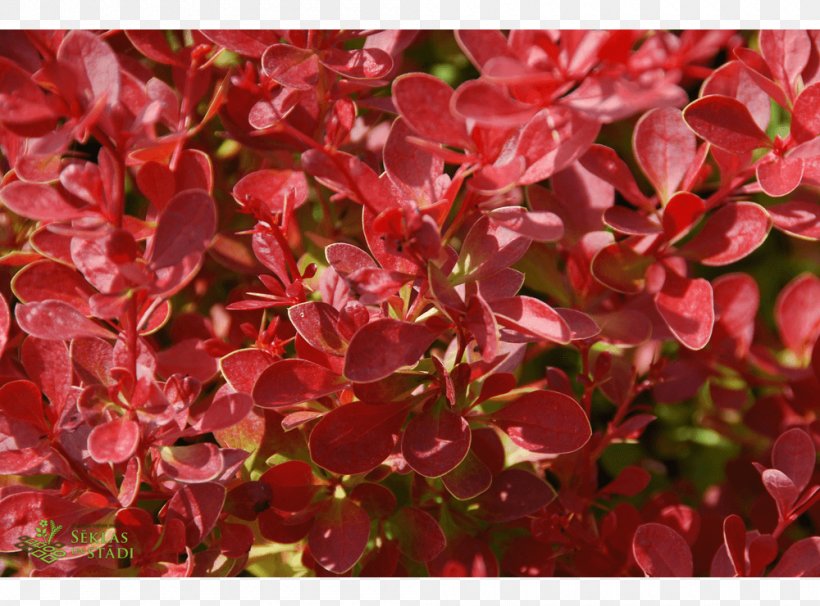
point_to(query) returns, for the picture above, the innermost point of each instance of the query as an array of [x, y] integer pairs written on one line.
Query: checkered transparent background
[[409, 14]]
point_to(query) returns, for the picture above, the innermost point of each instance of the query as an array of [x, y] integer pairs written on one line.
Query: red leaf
[[619, 267], [346, 258], [56, 321], [21, 512], [630, 222], [734, 537], [631, 481], [581, 326], [435, 442], [356, 437], [198, 507], [802, 559], [661, 552], [780, 176], [5, 323], [786, 53], [400, 344], [185, 227], [293, 381], [604, 163], [680, 213], [514, 494], [687, 307], [39, 202], [420, 537], [731, 233], [782, 489], [114, 441], [545, 421], [196, 463], [339, 535], [241, 368], [317, 323], [424, 102], [531, 316], [664, 148], [795, 455], [271, 189], [292, 485], [21, 401], [89, 69], [412, 169], [726, 123], [377, 501], [797, 314]]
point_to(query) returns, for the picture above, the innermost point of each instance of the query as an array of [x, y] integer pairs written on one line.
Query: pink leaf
[[780, 176], [664, 148], [726, 123], [56, 321], [196, 463], [619, 267], [271, 189], [490, 247], [490, 105], [628, 221], [400, 344], [293, 381], [797, 314], [290, 66], [241, 368], [802, 559], [661, 552], [198, 507], [731, 233], [363, 63], [544, 421], [805, 117], [531, 316], [410, 168], [39, 202], [797, 218], [424, 102], [539, 226], [795, 455], [687, 307], [194, 209], [782, 490]]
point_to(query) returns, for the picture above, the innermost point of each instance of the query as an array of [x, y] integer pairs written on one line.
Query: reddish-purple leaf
[[5, 323], [802, 559], [661, 552], [346, 258], [185, 227], [424, 102], [543, 421], [412, 169], [531, 316], [471, 478], [515, 493], [56, 321], [687, 307], [782, 489], [114, 441], [397, 344], [795, 455], [356, 437], [797, 314], [21, 512], [339, 535], [227, 408], [317, 323], [780, 176], [38, 201], [377, 500], [731, 233], [604, 163], [420, 536], [631, 481], [435, 442], [89, 69], [726, 123], [664, 148], [786, 53], [292, 485], [293, 381]]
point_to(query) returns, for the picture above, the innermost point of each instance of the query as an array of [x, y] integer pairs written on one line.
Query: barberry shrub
[[406, 303]]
